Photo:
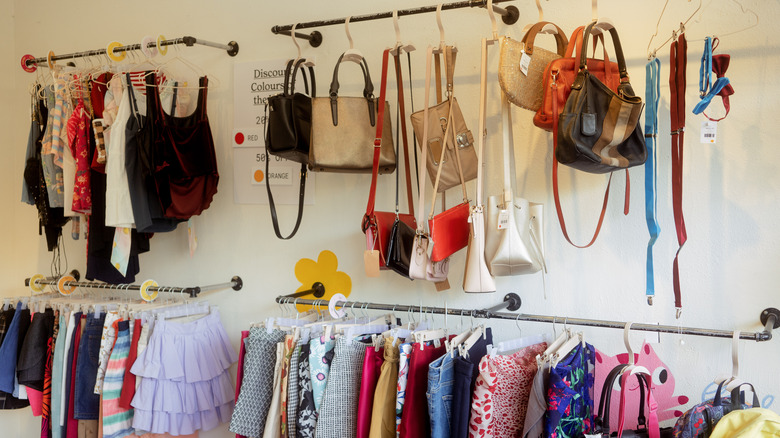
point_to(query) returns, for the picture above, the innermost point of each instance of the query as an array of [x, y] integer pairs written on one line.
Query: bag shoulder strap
[[369, 219], [404, 136], [652, 97], [482, 122], [424, 144], [556, 194], [678, 62]]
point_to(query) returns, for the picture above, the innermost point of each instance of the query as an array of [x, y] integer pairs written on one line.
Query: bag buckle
[[377, 142], [368, 222], [462, 140]]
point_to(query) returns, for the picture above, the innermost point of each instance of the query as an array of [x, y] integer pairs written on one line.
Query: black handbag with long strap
[[288, 134]]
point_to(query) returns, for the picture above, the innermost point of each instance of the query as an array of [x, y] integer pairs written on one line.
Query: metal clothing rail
[[509, 15], [189, 41], [770, 317], [235, 283]]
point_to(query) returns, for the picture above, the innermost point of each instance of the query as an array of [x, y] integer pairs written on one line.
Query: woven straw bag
[[526, 90]]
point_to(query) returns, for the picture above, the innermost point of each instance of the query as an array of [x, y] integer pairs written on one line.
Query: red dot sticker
[[239, 138]]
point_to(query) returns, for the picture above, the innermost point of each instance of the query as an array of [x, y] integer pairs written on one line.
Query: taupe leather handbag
[[463, 143], [343, 130]]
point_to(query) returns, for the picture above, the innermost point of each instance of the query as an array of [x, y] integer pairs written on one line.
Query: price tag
[[503, 219], [371, 262], [709, 131], [525, 61]]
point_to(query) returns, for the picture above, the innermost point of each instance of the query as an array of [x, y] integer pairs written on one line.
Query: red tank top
[[184, 157]]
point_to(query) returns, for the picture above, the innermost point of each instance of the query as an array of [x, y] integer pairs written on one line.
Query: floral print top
[[403, 373], [570, 394]]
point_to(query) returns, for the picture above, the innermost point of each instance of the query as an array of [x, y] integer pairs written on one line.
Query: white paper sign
[[254, 83]]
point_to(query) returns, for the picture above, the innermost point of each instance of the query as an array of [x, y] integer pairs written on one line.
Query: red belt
[[678, 61]]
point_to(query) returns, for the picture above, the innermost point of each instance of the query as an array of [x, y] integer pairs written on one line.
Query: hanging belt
[[652, 92], [678, 62]]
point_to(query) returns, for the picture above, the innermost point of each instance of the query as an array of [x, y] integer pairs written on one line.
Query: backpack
[[700, 420]]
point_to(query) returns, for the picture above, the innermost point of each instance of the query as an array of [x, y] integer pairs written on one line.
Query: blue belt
[[652, 92]]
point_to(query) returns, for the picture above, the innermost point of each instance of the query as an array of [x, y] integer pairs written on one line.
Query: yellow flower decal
[[324, 270]]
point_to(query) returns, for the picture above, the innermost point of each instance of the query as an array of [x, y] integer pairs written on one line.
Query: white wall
[[729, 265]]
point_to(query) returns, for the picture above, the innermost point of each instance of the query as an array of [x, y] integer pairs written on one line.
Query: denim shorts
[[441, 376], [86, 403]]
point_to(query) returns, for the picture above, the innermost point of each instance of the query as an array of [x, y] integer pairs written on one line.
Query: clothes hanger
[[352, 54], [494, 26], [399, 47], [560, 340], [632, 367], [307, 62], [442, 39], [744, 11], [602, 24], [681, 29], [567, 348], [732, 381]]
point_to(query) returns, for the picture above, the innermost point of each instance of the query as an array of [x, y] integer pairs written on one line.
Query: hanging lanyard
[[652, 92]]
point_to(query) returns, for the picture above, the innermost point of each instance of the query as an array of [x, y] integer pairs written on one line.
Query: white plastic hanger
[[352, 54], [517, 344], [733, 380], [632, 367], [493, 24], [568, 347], [442, 39], [547, 29], [560, 340], [307, 62], [399, 47], [602, 24]]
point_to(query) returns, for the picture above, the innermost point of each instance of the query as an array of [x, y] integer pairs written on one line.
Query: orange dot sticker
[[258, 176]]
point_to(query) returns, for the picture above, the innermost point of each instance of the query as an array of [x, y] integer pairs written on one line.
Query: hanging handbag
[[513, 235], [521, 66], [288, 131], [477, 278], [647, 425], [390, 232], [445, 150], [344, 128], [421, 267], [598, 129], [562, 72], [616, 75], [289, 116]]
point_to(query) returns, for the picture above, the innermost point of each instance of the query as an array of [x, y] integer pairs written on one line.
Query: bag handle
[[292, 72], [736, 397], [618, 51], [602, 419], [368, 92], [510, 175], [560, 38], [652, 418], [369, 219]]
